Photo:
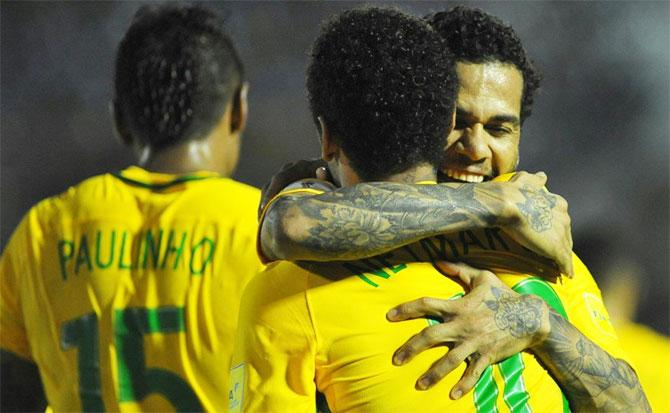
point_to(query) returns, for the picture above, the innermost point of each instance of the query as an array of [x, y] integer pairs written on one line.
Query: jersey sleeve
[[13, 266], [306, 187], [273, 364], [586, 311]]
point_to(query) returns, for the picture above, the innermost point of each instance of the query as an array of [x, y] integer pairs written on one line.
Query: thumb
[[322, 173]]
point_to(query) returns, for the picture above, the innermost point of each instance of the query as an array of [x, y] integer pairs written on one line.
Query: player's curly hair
[[478, 37], [176, 70], [385, 85]]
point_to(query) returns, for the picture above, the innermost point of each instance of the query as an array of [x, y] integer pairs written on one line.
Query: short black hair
[[176, 70], [477, 37], [385, 85]]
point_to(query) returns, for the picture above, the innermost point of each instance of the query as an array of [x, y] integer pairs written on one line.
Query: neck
[[422, 172], [189, 157], [216, 152]]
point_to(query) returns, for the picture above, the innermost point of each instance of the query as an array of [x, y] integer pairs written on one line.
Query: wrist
[[504, 211], [542, 333]]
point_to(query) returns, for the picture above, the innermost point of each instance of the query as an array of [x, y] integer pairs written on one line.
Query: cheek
[[506, 155]]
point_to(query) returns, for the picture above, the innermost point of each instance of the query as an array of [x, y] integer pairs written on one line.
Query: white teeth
[[464, 176]]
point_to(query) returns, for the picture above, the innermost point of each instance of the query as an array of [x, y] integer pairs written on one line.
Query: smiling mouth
[[464, 176]]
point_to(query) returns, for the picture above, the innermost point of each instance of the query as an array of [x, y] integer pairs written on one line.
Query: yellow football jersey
[[125, 290], [650, 352], [323, 327]]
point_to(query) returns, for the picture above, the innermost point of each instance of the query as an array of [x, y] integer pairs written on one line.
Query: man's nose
[[475, 143]]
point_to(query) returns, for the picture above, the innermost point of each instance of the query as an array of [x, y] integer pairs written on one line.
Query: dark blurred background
[[600, 127]]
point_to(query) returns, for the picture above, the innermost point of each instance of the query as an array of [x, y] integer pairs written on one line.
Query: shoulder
[[280, 287], [245, 192], [278, 280], [227, 198], [50, 208]]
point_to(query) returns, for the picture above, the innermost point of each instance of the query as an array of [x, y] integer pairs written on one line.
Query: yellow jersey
[[322, 327], [650, 352], [125, 289]]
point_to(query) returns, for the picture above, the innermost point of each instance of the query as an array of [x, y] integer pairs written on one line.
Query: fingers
[[565, 264], [536, 179], [469, 276], [476, 366], [289, 173], [567, 267], [422, 307], [322, 173], [443, 366], [427, 338]]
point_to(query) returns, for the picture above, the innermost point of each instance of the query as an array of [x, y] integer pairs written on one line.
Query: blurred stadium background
[[600, 126]]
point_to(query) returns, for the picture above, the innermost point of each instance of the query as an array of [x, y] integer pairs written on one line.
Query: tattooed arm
[[492, 322], [591, 378], [372, 218]]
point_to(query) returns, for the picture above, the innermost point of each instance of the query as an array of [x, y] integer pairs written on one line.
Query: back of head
[[477, 37], [176, 71], [385, 86]]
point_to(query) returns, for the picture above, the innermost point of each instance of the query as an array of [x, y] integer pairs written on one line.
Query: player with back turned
[[124, 289]]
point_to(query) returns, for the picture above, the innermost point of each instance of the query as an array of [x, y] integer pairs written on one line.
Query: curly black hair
[[478, 37], [385, 85], [176, 70]]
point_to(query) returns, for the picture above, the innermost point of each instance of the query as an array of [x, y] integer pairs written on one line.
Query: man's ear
[[240, 109], [120, 126], [329, 149]]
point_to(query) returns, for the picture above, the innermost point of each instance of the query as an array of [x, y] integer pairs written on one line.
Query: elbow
[[283, 233]]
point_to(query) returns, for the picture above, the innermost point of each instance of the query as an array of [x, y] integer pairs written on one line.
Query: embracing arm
[[372, 218], [590, 377], [492, 322]]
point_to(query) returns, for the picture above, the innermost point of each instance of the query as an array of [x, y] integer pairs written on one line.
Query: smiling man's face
[[485, 139]]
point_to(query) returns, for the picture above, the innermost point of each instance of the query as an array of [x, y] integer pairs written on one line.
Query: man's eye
[[498, 130]]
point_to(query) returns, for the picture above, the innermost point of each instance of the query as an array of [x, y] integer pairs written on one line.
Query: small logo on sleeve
[[236, 392], [598, 314]]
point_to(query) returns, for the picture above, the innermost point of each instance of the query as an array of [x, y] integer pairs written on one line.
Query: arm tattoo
[[537, 208], [521, 315], [590, 377], [372, 218]]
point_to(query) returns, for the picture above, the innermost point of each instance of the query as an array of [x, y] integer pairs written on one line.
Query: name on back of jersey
[[156, 249]]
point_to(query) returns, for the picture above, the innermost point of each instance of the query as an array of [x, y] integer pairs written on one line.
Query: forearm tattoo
[[537, 208], [521, 315], [371, 218], [590, 377]]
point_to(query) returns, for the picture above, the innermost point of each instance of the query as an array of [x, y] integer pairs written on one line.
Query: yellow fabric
[[154, 263], [650, 353], [300, 332], [323, 327]]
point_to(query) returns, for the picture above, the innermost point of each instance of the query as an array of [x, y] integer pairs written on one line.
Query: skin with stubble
[[485, 140]]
